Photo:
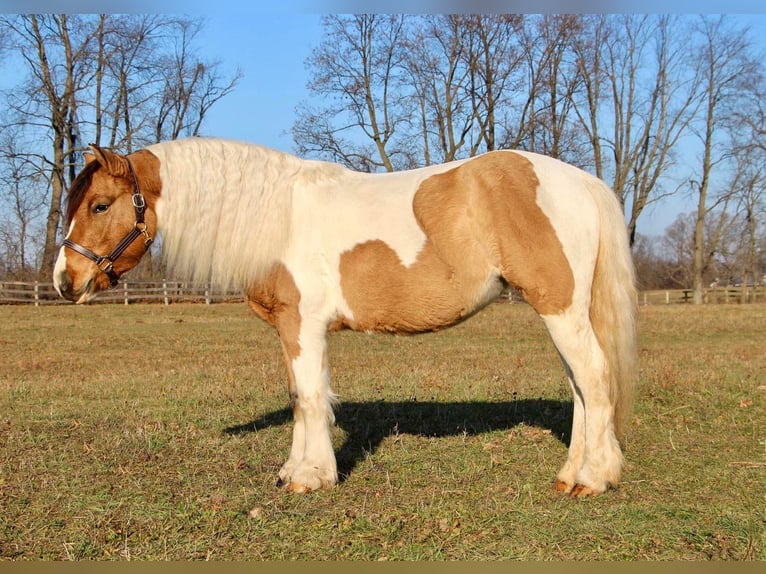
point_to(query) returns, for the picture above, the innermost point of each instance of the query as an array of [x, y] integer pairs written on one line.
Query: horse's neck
[[192, 166], [224, 209]]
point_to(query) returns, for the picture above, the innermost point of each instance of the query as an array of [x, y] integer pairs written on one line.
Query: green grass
[[149, 432]]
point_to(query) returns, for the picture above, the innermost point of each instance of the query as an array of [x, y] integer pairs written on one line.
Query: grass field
[[150, 432]]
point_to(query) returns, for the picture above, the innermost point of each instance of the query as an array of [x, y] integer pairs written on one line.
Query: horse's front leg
[[311, 464]]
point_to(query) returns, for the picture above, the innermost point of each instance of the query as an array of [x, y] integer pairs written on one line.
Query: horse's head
[[110, 214]]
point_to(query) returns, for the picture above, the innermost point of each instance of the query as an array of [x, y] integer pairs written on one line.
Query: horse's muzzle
[[63, 285]]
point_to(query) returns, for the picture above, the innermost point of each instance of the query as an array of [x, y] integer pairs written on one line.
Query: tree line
[[656, 105]]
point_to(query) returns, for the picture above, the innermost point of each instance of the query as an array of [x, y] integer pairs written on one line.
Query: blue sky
[[271, 50]]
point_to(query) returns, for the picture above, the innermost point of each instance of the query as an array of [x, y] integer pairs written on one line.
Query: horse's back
[[424, 249]]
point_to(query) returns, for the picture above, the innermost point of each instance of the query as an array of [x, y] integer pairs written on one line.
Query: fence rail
[[39, 293], [723, 295], [166, 291]]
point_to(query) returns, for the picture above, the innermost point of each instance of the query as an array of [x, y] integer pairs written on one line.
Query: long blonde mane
[[225, 209]]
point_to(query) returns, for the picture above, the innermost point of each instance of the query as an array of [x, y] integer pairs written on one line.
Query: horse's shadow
[[367, 423]]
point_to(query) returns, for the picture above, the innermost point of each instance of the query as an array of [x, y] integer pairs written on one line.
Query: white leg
[[567, 476], [298, 445], [595, 453], [311, 464]]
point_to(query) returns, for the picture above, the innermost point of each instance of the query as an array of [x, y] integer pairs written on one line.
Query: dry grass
[[147, 432]]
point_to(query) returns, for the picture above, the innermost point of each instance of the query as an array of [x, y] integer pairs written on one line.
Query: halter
[[106, 262]]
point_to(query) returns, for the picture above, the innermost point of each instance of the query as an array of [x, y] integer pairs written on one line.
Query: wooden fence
[[165, 291], [722, 295]]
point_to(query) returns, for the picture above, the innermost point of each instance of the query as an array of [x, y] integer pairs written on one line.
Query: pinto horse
[[317, 247]]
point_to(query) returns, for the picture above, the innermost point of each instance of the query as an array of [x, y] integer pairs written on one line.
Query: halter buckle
[[105, 264], [139, 202]]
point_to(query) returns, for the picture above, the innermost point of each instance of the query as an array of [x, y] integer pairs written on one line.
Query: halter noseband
[[106, 262]]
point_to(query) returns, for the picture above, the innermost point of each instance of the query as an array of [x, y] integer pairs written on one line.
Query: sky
[[271, 51], [270, 44]]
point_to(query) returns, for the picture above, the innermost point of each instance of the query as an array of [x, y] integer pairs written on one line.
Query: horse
[[317, 247]]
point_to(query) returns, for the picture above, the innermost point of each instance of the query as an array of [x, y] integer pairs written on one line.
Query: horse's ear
[[115, 164]]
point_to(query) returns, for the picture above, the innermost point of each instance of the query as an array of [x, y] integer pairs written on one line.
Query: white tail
[[613, 304]]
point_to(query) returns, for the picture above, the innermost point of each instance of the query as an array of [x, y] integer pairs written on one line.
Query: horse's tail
[[613, 304]]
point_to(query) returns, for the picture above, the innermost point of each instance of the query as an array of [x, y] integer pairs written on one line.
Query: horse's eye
[[100, 208]]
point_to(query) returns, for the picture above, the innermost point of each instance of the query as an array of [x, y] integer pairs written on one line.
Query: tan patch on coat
[[384, 295], [482, 222], [275, 299]]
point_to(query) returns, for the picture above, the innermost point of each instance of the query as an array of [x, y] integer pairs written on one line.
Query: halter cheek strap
[[106, 262]]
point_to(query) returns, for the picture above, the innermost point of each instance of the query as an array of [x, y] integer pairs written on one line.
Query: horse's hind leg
[[595, 460], [567, 476]]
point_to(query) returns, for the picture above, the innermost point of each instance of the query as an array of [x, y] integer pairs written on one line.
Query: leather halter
[[106, 262]]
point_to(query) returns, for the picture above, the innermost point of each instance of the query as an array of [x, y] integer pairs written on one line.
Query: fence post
[[165, 291], [207, 294], [125, 291], [667, 297], [37, 293]]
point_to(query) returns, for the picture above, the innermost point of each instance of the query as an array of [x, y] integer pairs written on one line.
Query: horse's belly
[[381, 294]]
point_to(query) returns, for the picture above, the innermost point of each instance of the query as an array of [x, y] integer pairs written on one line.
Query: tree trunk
[[699, 245], [50, 249]]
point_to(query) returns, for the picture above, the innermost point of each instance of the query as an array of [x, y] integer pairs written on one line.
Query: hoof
[[575, 490], [582, 491], [563, 487], [298, 488], [292, 486], [307, 479]]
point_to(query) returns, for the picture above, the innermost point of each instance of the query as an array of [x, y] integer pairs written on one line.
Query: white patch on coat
[[59, 269]]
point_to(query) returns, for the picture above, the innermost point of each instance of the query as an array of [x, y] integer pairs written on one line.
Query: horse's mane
[[77, 191], [225, 207]]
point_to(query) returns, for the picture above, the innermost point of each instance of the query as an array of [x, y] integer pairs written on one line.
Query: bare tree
[[638, 99], [727, 74], [749, 196], [398, 92], [154, 85], [355, 73], [546, 122], [651, 267], [748, 127], [55, 48], [190, 86], [125, 79], [20, 182], [493, 59], [436, 65], [720, 236]]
